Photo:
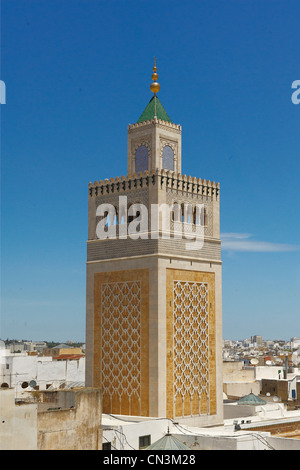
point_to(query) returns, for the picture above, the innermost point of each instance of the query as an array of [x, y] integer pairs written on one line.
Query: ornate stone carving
[[190, 323], [121, 339]]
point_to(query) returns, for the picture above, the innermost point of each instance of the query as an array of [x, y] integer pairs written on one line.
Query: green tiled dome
[[251, 399], [168, 442]]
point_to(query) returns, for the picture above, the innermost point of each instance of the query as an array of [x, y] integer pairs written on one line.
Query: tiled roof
[[168, 442], [251, 399], [63, 357], [154, 108]]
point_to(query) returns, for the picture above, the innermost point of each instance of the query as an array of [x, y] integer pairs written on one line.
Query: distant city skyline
[[68, 341], [77, 74]]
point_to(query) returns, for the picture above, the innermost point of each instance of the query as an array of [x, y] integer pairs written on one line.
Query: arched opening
[[182, 213], [189, 213], [205, 217], [141, 159], [195, 216], [168, 158], [176, 212]]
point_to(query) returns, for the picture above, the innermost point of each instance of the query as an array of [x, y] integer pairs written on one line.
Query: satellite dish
[[268, 394], [275, 398], [254, 361], [32, 383], [268, 363]]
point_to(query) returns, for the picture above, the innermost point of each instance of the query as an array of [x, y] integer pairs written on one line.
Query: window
[[122, 215], [176, 212], [116, 220], [141, 159], [205, 217], [110, 217], [183, 214], [189, 213], [197, 216], [168, 158], [144, 441], [133, 212]]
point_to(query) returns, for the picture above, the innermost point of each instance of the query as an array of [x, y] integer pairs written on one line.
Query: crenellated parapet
[[163, 178], [156, 121]]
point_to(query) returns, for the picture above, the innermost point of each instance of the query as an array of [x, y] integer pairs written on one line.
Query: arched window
[[183, 213], [189, 213], [141, 159], [122, 214], [176, 212], [205, 217], [198, 214], [195, 216], [116, 217], [168, 158], [106, 219], [110, 217]]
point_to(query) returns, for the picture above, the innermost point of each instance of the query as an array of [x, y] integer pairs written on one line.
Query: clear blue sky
[[77, 73]]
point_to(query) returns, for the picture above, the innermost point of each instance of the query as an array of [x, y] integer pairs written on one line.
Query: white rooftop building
[[38, 372], [135, 433]]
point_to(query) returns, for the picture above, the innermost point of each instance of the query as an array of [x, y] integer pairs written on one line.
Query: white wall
[[268, 411], [18, 423], [282, 443], [42, 369], [222, 442], [268, 372], [241, 389], [126, 436], [234, 371]]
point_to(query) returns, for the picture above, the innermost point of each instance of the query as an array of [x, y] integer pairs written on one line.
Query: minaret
[[154, 142], [154, 303]]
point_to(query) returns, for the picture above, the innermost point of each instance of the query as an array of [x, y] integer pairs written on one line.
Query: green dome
[[251, 399], [168, 442]]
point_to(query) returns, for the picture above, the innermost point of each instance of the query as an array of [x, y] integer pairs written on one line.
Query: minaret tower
[[154, 142], [154, 306]]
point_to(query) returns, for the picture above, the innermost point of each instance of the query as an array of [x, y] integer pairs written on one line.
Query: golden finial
[[154, 87]]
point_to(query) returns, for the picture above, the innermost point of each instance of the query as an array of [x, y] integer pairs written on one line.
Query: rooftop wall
[[18, 429], [75, 427]]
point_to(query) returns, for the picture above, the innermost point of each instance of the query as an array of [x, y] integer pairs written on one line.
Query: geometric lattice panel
[[121, 340], [120, 329], [191, 346]]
